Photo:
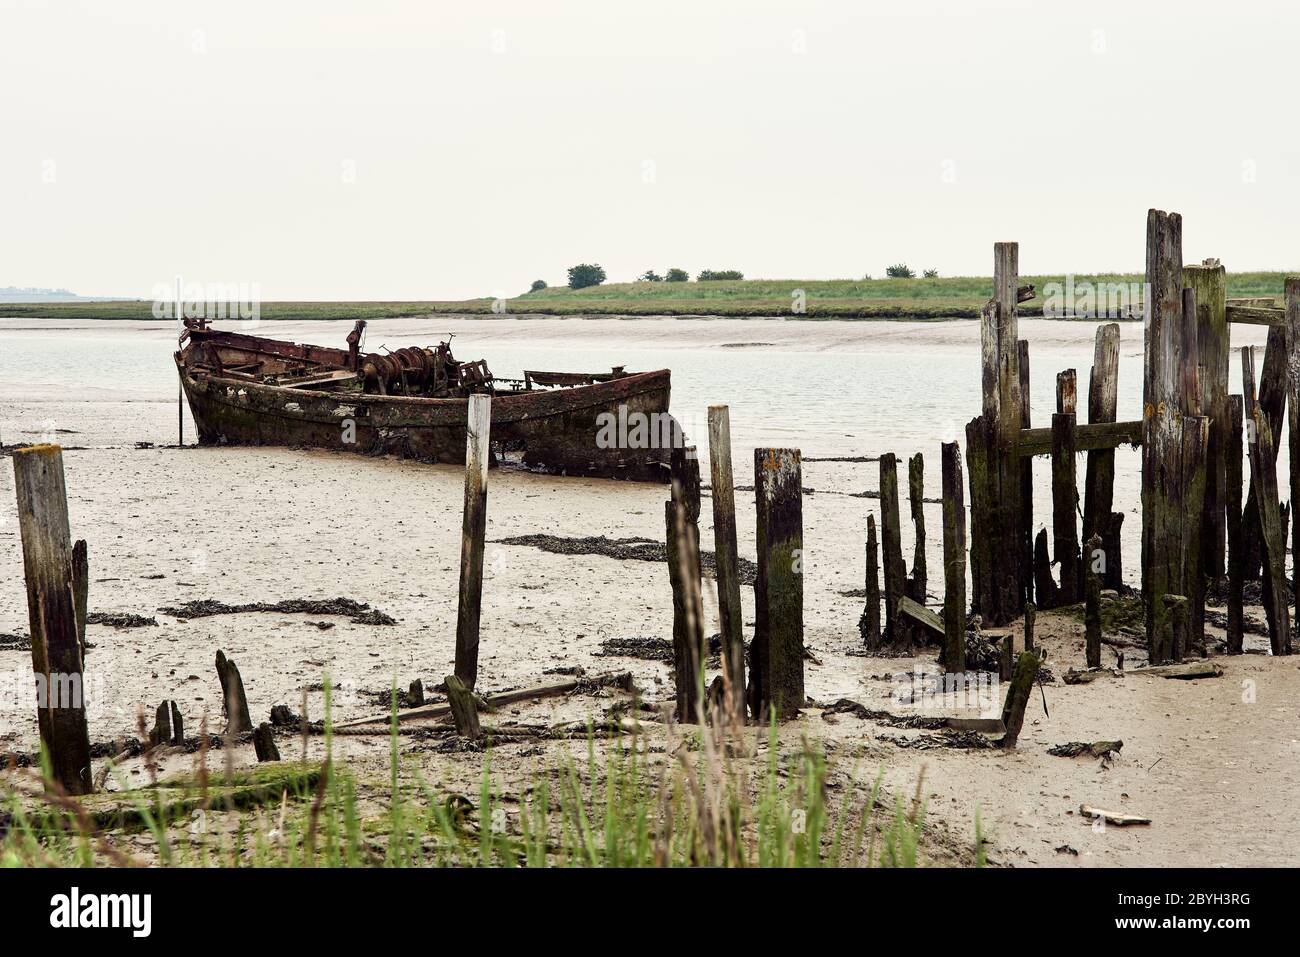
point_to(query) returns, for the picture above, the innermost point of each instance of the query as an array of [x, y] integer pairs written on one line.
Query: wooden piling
[[1103, 401], [1092, 601], [981, 513], [689, 653], [52, 615], [1065, 505], [1271, 397], [478, 453], [178, 724], [1022, 685], [415, 694], [161, 733], [918, 583], [1236, 561], [1045, 588], [954, 559], [891, 545], [464, 709], [730, 613], [1026, 480], [1031, 612], [778, 592], [1292, 287], [1067, 392], [264, 743], [233, 699], [1208, 282], [869, 624], [1113, 577], [1263, 480], [1196, 439], [81, 591]]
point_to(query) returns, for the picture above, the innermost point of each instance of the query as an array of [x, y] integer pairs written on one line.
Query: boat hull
[[572, 431]]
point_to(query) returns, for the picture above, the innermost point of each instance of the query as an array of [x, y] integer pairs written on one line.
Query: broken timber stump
[[778, 591], [1022, 684], [1208, 282], [1030, 612], [891, 545], [162, 725], [1092, 602], [415, 694], [464, 710], [683, 553], [1272, 401], [264, 744], [478, 453], [869, 622], [1113, 575], [1103, 399], [1293, 411], [52, 615], [1067, 392], [918, 583], [1263, 481], [1065, 507], [233, 699], [954, 559], [1236, 559], [730, 612], [80, 591], [1045, 589]]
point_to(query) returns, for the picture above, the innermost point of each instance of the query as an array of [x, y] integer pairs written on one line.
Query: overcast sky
[[390, 150]]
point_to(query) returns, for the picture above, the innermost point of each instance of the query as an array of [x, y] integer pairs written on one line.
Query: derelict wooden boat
[[413, 402]]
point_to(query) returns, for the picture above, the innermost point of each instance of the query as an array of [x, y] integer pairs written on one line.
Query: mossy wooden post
[[464, 709], [1196, 440], [1113, 577], [1103, 401], [1092, 601], [80, 590], [1162, 421], [916, 501], [1006, 581], [778, 488], [1031, 612], [1271, 397], [1067, 392], [233, 699], [682, 546], [1045, 588], [478, 453], [891, 545], [52, 615], [1208, 282], [977, 472], [1022, 685], [954, 560], [1176, 625], [1293, 409], [1236, 584], [1263, 481], [1065, 506], [730, 612], [1026, 479], [264, 743], [869, 625]]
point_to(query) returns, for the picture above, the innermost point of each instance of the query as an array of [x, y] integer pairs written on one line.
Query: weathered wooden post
[[1236, 560], [778, 592], [1293, 409], [1092, 602], [1176, 623], [264, 743], [1065, 506], [1271, 398], [1022, 684], [1026, 480], [869, 623], [1208, 282], [916, 500], [683, 554], [1030, 613], [478, 453], [1045, 588], [954, 560], [1067, 392], [464, 709], [233, 698], [891, 545], [52, 615], [81, 590], [1263, 481], [1103, 401], [730, 613]]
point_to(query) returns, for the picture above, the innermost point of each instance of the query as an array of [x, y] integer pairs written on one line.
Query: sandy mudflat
[[1215, 773]]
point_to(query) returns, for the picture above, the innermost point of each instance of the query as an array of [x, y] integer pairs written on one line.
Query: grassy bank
[[944, 298]]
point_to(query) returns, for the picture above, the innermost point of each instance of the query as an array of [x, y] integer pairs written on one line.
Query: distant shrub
[[537, 286], [900, 271], [649, 276], [930, 274], [713, 275], [677, 275], [585, 274]]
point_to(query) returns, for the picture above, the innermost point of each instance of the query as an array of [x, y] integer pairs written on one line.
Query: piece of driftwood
[[464, 709], [1093, 749], [264, 743], [1112, 817], [1073, 677], [1185, 671], [922, 616], [621, 680], [233, 699]]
